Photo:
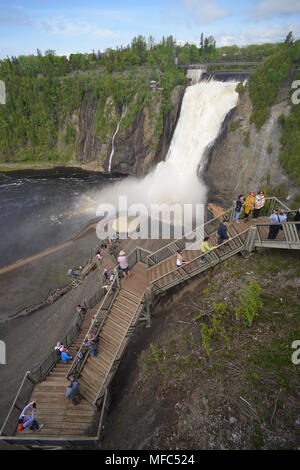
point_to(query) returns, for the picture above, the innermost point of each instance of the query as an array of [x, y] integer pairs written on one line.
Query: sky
[[70, 26]]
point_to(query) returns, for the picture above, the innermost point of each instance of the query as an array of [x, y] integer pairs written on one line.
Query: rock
[[232, 420], [135, 153], [233, 168]]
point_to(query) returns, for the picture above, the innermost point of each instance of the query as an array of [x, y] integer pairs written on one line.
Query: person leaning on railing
[[92, 342], [276, 219], [28, 421], [297, 219]]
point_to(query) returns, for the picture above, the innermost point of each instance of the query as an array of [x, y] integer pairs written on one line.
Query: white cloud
[[62, 27], [205, 11], [266, 9], [258, 35]]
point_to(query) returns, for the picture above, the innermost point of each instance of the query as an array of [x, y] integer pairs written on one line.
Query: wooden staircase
[[113, 334], [166, 272], [119, 316], [58, 415]]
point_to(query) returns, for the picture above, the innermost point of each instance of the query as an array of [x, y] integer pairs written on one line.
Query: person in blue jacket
[[222, 232]]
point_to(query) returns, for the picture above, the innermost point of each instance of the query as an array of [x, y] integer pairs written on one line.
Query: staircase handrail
[[119, 348], [77, 367], [211, 221], [203, 255]]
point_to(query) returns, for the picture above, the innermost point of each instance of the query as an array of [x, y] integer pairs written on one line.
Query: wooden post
[[250, 239], [148, 307]]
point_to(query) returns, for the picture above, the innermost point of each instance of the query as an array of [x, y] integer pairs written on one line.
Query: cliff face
[[244, 159], [138, 147]]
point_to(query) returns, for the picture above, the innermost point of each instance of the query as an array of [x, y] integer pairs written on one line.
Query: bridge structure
[[114, 319], [205, 66]]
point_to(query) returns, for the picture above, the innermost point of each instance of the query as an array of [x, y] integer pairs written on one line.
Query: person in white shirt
[[260, 201], [123, 262]]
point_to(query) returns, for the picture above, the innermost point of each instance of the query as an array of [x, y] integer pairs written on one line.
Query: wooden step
[[131, 295]]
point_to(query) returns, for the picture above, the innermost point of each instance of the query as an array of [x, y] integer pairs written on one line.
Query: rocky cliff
[[138, 146], [244, 159]]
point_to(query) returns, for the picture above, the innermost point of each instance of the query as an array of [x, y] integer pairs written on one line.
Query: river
[[41, 209]]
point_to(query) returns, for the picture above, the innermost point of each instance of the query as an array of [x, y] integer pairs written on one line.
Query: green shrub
[[234, 125], [251, 304], [265, 83], [240, 89]]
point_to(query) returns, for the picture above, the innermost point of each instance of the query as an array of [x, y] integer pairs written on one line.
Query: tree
[[151, 42], [202, 42], [289, 40]]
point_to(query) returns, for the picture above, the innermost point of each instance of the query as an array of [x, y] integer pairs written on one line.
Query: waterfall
[[113, 140], [195, 75], [176, 180]]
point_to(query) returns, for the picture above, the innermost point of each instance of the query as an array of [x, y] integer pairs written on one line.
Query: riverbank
[[35, 166]]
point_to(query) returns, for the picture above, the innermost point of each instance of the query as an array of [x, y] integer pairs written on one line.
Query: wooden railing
[[137, 255], [254, 236], [200, 263], [22, 398], [207, 229], [119, 352], [38, 374], [99, 319]]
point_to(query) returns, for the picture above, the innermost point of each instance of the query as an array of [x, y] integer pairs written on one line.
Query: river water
[[39, 210]]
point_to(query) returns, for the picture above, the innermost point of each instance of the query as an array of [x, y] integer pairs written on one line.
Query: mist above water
[[176, 180]]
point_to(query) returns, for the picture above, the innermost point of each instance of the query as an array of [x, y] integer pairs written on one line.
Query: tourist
[[297, 219], [58, 348], [205, 248], [105, 274], [260, 201], [81, 310], [28, 421], [179, 259], [73, 393], [123, 262], [239, 204], [92, 343], [110, 282], [99, 256], [249, 205], [65, 356], [276, 219], [79, 356], [223, 232]]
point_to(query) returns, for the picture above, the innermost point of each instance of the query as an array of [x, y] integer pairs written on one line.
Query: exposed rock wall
[[234, 168], [137, 147]]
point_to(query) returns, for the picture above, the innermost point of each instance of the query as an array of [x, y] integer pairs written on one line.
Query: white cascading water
[[203, 111], [113, 140], [175, 180]]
